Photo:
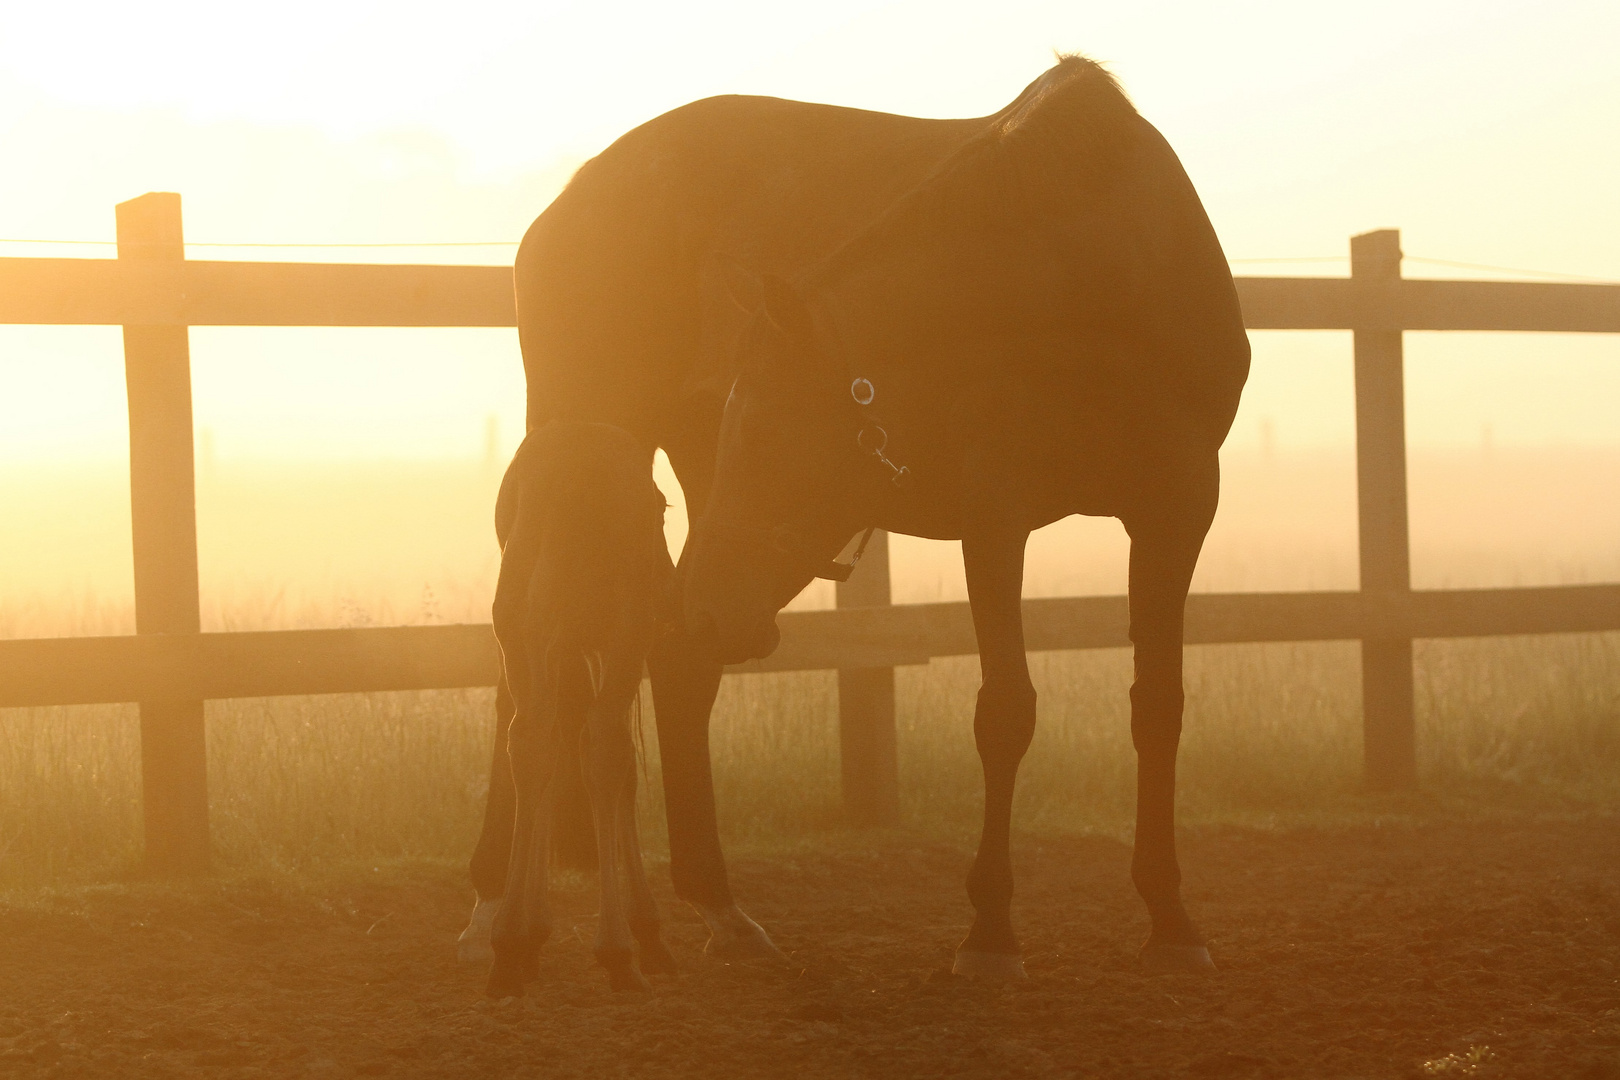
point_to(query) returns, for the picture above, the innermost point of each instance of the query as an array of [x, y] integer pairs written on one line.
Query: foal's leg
[[610, 762], [654, 958], [494, 850], [1164, 549], [1003, 724], [523, 922]]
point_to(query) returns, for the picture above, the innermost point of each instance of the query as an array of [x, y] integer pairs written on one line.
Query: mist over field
[[343, 543], [304, 921], [1273, 731]]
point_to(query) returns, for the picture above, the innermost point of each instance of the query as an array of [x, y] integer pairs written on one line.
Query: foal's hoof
[[734, 936], [1161, 959], [995, 966], [472, 947]]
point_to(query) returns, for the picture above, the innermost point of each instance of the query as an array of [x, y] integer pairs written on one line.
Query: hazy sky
[[1487, 131]]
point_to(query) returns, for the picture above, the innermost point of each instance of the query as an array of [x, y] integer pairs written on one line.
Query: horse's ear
[[785, 307]]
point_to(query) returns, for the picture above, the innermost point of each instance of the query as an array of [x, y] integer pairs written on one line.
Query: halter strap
[[785, 539]]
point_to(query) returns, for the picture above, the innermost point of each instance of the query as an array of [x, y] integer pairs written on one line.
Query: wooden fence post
[[1389, 736], [163, 513], [868, 763]]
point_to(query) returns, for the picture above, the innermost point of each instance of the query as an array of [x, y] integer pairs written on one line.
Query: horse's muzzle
[[733, 645]]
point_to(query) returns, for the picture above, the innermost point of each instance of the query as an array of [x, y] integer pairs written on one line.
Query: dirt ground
[[1448, 950]]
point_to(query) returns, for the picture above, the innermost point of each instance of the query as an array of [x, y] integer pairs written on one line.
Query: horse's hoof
[[1161, 959], [655, 959], [734, 936], [1000, 967], [473, 947]]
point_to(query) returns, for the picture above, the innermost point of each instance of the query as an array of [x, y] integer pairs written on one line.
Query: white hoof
[[472, 947], [1173, 959], [1001, 967], [734, 936]]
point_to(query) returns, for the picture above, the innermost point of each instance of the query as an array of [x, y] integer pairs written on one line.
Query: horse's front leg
[[684, 683], [1165, 543], [1003, 724]]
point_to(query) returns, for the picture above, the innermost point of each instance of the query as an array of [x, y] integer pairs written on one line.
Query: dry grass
[[1512, 726]]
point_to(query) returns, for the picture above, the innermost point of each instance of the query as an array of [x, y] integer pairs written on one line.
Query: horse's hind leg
[[1165, 542]]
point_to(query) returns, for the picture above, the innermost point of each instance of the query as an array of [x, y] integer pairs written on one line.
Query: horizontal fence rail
[[121, 292], [270, 663], [155, 294], [114, 292]]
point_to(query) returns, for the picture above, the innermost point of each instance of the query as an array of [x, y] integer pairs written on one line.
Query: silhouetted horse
[[583, 570], [1044, 326], [627, 315]]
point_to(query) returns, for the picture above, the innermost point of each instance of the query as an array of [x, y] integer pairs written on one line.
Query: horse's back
[[623, 308]]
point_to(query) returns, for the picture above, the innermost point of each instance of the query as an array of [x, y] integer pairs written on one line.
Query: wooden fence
[[170, 668]]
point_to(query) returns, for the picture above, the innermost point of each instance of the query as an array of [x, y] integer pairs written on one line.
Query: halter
[[873, 439]]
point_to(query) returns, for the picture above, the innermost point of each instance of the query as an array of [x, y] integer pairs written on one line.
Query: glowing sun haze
[[1484, 130]]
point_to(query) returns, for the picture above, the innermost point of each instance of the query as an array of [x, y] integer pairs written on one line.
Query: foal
[[583, 568]]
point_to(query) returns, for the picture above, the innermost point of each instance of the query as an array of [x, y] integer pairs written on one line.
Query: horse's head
[[790, 488]]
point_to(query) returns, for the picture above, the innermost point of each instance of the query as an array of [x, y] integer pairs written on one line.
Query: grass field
[[1506, 726]]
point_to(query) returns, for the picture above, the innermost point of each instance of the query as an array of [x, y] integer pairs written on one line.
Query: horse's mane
[[1066, 133], [1075, 109]]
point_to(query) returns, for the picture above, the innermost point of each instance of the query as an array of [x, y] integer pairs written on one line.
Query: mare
[[1044, 326], [584, 568], [632, 289]]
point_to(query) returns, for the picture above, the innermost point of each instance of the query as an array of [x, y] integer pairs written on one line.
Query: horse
[[1046, 325], [632, 289], [584, 568]]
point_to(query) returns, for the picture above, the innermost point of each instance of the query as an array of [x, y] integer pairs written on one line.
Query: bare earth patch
[[1448, 951]]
